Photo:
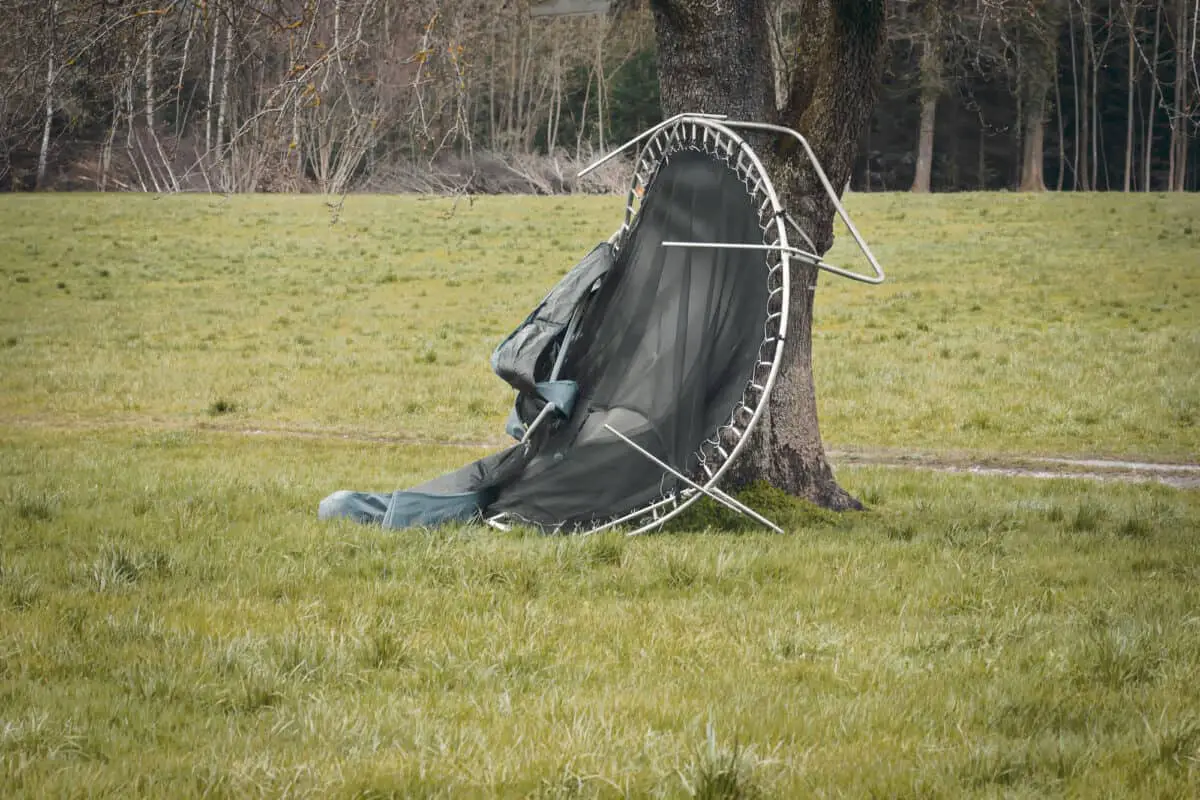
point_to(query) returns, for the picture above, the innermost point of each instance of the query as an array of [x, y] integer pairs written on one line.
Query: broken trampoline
[[641, 375]]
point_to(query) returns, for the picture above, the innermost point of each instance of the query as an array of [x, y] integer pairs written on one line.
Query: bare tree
[[1152, 103], [1130, 8], [51, 74], [931, 81], [1181, 110]]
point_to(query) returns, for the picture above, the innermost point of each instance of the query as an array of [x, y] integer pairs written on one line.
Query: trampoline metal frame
[[718, 136]]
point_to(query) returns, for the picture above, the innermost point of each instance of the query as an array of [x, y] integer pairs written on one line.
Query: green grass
[[174, 621], [1055, 325]]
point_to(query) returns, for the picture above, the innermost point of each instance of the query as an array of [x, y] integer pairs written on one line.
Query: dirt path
[[1178, 475]]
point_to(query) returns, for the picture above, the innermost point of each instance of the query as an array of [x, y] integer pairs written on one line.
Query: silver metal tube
[[641, 512], [832, 193], [716, 127], [562, 350], [779, 248], [714, 493], [533, 426]]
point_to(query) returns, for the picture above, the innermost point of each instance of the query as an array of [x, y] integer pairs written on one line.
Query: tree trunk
[[183, 65], [1077, 119], [1083, 108], [931, 87], [1062, 133], [1130, 29], [44, 151], [718, 61], [1034, 152], [924, 174], [982, 168], [223, 106], [1152, 106], [1182, 65], [1178, 160], [1038, 69], [779, 53], [149, 76], [601, 92], [212, 81]]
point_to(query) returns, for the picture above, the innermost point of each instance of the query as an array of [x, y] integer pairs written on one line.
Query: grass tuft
[[221, 406], [1174, 742], [606, 549], [31, 506], [19, 591], [1119, 658], [114, 569], [719, 772], [1134, 527], [679, 571], [1088, 517]]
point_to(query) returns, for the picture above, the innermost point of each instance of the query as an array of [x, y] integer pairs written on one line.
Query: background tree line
[[473, 95]]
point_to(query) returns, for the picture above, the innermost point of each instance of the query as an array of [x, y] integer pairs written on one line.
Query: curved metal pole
[[645, 135], [718, 127], [879, 277], [712, 491]]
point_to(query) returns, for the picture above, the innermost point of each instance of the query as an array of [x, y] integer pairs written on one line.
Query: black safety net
[[662, 351]]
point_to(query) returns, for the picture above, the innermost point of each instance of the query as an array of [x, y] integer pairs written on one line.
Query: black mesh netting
[[664, 352]]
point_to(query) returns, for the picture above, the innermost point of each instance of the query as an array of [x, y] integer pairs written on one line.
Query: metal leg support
[[716, 494]]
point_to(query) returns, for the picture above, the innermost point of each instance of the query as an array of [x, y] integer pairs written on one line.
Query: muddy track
[[1180, 475]]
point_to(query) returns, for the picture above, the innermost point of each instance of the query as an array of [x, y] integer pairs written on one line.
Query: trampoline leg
[[538, 420], [714, 492]]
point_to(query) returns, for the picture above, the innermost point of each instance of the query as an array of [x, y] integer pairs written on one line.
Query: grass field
[[183, 378]]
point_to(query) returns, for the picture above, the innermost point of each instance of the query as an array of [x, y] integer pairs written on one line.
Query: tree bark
[[212, 80], [931, 88], [924, 174], [1183, 62], [1075, 121], [1033, 157], [1130, 29], [1062, 133], [1178, 160], [717, 60], [1083, 108], [48, 119], [1037, 71], [1152, 105]]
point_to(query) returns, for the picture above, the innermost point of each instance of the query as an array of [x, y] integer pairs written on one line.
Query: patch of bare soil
[[1177, 475], [1180, 476]]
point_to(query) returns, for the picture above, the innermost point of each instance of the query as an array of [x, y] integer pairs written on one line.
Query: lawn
[[183, 378]]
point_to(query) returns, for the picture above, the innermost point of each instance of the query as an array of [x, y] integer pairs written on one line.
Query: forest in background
[[482, 96]]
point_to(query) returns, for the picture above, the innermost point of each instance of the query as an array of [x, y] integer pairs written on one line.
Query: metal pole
[[545, 412], [645, 134], [715, 494]]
